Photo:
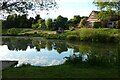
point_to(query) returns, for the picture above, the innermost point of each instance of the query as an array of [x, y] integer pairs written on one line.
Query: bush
[[91, 60], [118, 24], [97, 25], [82, 22], [98, 35], [24, 65], [35, 26], [74, 59], [12, 31], [72, 37]]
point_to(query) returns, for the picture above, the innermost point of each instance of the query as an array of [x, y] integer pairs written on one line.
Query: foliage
[[82, 22], [91, 60], [118, 24], [17, 21], [38, 23], [35, 26], [24, 65], [74, 21], [97, 25], [98, 35], [25, 5], [107, 8], [60, 22], [12, 31], [109, 5], [72, 37], [73, 59], [49, 24]]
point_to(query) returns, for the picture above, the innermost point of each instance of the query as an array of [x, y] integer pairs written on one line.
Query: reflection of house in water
[[110, 22]]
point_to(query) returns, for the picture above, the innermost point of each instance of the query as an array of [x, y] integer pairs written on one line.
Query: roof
[[112, 18], [94, 12]]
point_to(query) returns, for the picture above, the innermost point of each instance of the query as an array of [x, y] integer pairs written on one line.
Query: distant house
[[109, 23]]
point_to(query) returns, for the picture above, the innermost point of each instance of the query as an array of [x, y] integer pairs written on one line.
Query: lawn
[[83, 34], [62, 71]]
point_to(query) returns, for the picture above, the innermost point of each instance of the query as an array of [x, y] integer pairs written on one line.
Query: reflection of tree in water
[[60, 47], [107, 53], [97, 52], [23, 43], [39, 44], [17, 43], [49, 45]]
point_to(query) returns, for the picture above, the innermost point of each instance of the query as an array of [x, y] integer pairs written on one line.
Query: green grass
[[96, 35], [83, 34], [61, 71]]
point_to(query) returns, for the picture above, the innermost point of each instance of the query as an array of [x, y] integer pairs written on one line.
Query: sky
[[68, 8]]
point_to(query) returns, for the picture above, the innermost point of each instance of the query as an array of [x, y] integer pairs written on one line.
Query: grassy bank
[[83, 34], [61, 71], [95, 35]]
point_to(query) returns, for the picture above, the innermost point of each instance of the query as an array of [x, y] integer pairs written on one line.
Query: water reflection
[[37, 43], [42, 52]]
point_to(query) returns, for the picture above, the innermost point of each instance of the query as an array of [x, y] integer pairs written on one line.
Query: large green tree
[[60, 22], [108, 8], [22, 6], [49, 24], [74, 21]]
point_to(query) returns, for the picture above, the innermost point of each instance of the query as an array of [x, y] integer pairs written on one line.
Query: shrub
[[91, 60], [34, 26], [52, 36], [62, 36], [82, 22], [25, 65], [97, 25], [72, 37], [12, 31], [118, 24], [74, 59], [98, 35]]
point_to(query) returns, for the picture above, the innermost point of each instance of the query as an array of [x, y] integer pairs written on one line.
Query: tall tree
[[23, 6], [49, 24], [74, 21], [107, 8], [60, 22]]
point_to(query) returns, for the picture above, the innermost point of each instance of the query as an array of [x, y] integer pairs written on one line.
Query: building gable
[[93, 17]]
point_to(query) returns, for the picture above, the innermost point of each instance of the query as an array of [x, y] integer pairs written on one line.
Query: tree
[[60, 22], [22, 6], [39, 24], [17, 21], [49, 24], [74, 21], [37, 17], [42, 24], [108, 8], [82, 22]]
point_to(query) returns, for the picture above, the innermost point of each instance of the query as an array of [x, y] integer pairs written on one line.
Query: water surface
[[43, 52]]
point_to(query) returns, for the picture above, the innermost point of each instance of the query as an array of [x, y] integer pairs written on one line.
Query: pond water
[[43, 52]]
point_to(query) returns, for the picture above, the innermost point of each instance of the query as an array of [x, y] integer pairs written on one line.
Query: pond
[[43, 52]]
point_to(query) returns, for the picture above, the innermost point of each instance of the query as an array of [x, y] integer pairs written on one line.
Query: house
[[93, 18], [108, 23]]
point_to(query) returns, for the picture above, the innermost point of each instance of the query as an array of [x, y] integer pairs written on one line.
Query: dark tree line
[[21, 21], [17, 21]]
